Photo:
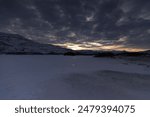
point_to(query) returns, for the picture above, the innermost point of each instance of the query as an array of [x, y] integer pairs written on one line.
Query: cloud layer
[[123, 23]]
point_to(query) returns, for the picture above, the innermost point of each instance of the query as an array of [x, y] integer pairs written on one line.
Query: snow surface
[[73, 77]]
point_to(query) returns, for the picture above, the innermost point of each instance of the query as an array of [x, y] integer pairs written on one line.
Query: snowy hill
[[16, 44]]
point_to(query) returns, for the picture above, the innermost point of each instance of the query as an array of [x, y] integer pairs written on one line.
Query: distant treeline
[[127, 54], [109, 54], [85, 53]]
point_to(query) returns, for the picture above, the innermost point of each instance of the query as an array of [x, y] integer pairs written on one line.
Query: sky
[[80, 24]]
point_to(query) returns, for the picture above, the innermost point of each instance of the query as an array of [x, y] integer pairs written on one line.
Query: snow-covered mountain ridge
[[14, 43]]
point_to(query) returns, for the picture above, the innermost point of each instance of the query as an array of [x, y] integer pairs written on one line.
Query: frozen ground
[[73, 77]]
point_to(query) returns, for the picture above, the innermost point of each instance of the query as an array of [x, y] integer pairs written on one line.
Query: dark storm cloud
[[124, 22]]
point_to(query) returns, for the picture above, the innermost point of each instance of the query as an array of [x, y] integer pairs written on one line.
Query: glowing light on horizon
[[97, 46]]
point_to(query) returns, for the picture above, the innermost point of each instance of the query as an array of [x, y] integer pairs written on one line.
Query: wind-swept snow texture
[[73, 77]]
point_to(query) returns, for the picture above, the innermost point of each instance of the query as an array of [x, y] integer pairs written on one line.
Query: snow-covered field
[[73, 77]]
